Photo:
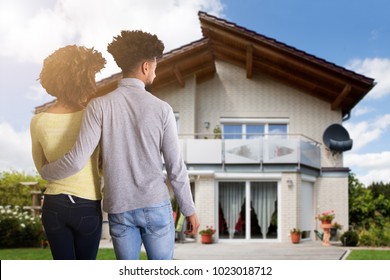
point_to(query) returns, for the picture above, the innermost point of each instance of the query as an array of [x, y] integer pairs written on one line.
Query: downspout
[[347, 116]]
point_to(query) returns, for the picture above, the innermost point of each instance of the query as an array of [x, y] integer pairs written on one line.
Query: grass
[[44, 254], [357, 254], [108, 254]]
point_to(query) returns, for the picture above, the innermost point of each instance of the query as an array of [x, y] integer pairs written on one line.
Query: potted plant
[[295, 235], [326, 217], [207, 235], [333, 231], [175, 208], [217, 132]]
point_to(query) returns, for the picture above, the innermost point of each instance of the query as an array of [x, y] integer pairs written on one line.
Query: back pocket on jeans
[[158, 220], [50, 220], [88, 225]]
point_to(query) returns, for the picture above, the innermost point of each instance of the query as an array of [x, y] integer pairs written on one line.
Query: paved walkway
[[307, 250]]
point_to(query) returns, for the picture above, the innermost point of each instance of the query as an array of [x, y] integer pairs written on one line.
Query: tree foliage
[[380, 188], [12, 192], [368, 206]]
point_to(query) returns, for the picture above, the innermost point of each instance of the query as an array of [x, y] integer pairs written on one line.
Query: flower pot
[[207, 238], [333, 234], [295, 237], [326, 222], [326, 228]]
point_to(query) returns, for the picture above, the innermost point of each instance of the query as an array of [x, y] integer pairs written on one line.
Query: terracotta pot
[[326, 222], [333, 234], [295, 237], [207, 238]]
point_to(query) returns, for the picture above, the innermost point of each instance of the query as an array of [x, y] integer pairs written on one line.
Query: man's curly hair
[[69, 74], [133, 47]]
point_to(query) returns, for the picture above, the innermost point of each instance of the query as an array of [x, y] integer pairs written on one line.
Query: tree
[[366, 207], [379, 188], [12, 192]]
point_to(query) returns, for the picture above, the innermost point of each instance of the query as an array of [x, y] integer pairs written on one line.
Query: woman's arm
[[37, 150]]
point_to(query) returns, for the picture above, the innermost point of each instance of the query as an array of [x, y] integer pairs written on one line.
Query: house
[[251, 114]]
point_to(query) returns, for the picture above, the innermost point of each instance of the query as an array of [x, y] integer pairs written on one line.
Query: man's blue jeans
[[153, 226]]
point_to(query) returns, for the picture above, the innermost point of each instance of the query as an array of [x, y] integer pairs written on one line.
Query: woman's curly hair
[[133, 47], [69, 74]]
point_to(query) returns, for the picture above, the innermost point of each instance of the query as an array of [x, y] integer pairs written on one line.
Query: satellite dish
[[337, 139]]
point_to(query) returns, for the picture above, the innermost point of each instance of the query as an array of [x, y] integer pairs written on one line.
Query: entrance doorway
[[247, 210]]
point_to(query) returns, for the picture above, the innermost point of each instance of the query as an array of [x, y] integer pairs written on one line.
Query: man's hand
[[194, 225]]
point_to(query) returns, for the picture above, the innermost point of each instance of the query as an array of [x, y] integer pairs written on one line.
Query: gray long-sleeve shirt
[[135, 128]]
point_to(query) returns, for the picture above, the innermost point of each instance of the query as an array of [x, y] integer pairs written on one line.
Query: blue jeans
[[73, 226], [153, 226]]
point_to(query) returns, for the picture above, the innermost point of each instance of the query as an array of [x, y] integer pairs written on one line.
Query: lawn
[[108, 254], [44, 254], [369, 255]]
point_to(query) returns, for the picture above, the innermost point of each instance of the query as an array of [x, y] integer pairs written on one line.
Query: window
[[277, 129], [247, 210], [177, 120], [253, 128], [231, 131], [254, 131]]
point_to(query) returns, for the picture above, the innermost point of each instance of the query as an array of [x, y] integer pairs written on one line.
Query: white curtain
[[231, 199], [263, 200]]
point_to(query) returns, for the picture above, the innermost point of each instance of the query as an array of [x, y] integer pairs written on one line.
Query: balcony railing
[[268, 149]]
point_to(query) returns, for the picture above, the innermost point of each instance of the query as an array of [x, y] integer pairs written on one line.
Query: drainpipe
[[347, 116]]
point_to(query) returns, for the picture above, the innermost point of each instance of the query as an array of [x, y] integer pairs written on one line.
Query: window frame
[[244, 122]]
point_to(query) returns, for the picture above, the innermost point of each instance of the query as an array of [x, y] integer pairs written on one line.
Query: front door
[[247, 210]]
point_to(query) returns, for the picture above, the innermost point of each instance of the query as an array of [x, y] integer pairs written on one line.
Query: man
[[134, 129]]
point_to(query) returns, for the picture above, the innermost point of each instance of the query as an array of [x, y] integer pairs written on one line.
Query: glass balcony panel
[[265, 150], [203, 151], [277, 150], [243, 151]]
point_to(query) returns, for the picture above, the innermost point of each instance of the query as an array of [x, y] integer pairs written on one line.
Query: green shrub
[[350, 238], [368, 238], [377, 234], [19, 229], [12, 192]]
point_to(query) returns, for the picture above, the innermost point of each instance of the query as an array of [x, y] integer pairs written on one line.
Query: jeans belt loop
[[71, 199]]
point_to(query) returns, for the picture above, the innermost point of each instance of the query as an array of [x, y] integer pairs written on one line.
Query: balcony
[[268, 149]]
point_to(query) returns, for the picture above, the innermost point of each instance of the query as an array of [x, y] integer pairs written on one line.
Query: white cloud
[[95, 22], [15, 149], [31, 30], [38, 93], [376, 68], [368, 167], [361, 111], [367, 131], [375, 166]]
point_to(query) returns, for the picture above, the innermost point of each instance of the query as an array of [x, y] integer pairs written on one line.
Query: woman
[[71, 212]]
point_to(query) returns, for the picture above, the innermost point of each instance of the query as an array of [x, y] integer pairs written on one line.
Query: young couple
[[128, 130]]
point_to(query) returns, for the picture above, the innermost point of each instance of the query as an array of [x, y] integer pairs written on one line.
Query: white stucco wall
[[231, 94], [183, 102]]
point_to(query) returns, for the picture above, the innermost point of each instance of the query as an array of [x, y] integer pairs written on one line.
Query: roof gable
[[228, 42], [342, 88]]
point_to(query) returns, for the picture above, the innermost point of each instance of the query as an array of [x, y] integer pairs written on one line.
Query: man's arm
[[194, 225], [176, 169], [74, 160]]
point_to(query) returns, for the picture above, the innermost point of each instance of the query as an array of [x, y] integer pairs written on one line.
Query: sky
[[352, 34]]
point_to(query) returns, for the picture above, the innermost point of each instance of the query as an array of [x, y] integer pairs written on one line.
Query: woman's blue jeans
[[153, 226], [73, 226]]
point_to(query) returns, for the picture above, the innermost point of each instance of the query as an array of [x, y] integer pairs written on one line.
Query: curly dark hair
[[133, 47], [69, 74]]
